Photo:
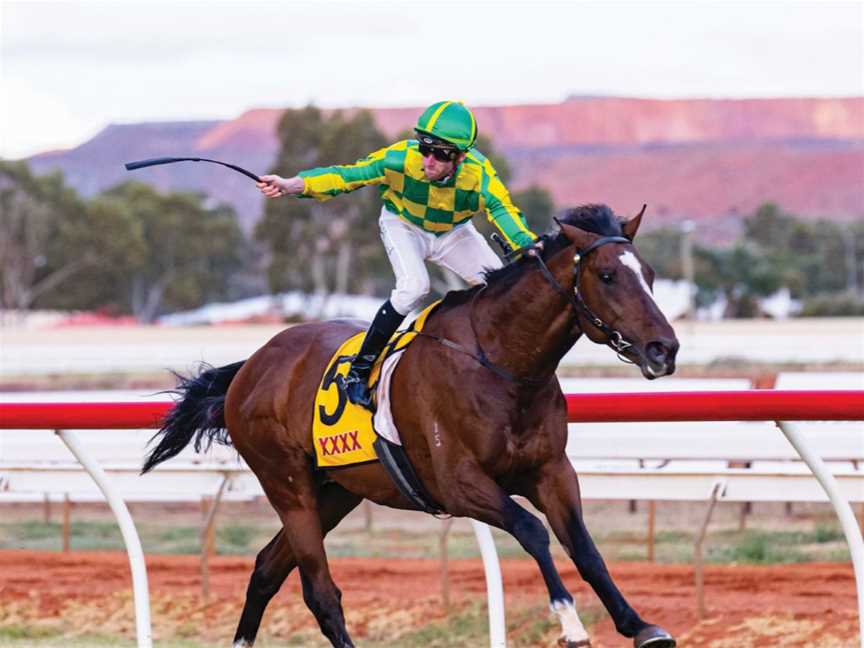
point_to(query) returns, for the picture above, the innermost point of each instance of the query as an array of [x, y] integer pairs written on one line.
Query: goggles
[[438, 148], [440, 153]]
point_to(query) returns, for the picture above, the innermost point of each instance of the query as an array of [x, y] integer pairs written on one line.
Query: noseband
[[614, 339]]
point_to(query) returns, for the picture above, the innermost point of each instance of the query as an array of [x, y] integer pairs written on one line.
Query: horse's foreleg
[[482, 499], [276, 561], [556, 494]]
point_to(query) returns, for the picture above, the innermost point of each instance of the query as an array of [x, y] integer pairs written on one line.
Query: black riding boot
[[386, 321]]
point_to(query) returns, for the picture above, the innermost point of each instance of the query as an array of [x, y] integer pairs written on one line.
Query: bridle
[[614, 338]]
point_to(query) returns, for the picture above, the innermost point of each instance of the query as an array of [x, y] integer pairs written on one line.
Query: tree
[[109, 236], [330, 247], [37, 217], [769, 227], [129, 249], [741, 274], [853, 239], [816, 260], [812, 256], [499, 161], [537, 205], [661, 248], [179, 254], [534, 202]]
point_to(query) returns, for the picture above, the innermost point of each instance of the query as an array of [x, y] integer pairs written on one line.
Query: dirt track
[[789, 605]]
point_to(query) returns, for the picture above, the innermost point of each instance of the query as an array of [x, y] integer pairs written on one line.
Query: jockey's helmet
[[450, 122]]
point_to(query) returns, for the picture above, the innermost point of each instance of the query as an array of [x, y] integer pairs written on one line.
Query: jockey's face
[[435, 169]]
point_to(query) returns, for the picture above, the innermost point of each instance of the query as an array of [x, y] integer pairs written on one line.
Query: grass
[[89, 535], [824, 533], [765, 542], [235, 539], [83, 535], [468, 628], [725, 545], [756, 549], [26, 637], [777, 547], [39, 637], [412, 544], [527, 627]]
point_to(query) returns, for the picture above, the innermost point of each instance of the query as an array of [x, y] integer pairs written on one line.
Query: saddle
[[345, 434]]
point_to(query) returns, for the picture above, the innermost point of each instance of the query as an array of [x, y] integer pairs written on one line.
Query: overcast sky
[[69, 69]]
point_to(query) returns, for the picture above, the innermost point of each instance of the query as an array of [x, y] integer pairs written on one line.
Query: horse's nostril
[[657, 352]]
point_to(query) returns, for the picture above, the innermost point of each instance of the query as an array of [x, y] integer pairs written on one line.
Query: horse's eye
[[606, 277]]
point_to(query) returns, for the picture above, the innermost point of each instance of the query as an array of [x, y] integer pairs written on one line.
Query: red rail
[[82, 416], [756, 405]]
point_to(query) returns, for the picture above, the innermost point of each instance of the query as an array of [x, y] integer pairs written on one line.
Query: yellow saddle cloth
[[341, 431]]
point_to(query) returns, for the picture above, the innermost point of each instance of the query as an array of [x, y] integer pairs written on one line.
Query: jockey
[[431, 187]]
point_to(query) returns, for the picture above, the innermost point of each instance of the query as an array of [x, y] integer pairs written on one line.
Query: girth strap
[[397, 465]]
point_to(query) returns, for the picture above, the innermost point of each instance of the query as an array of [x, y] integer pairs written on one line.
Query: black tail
[[198, 414]]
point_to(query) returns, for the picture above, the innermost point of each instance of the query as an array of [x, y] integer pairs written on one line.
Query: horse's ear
[[580, 237], [631, 226]]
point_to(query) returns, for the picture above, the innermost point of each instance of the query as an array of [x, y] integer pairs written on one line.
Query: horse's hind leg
[[322, 596], [556, 494], [272, 566], [482, 499], [276, 561]]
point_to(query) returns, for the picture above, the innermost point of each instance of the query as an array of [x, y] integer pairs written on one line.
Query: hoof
[[582, 643], [654, 637]]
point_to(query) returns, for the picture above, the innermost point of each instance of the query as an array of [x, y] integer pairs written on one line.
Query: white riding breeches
[[461, 250]]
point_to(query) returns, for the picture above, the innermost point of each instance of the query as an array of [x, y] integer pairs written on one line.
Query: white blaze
[[629, 260]]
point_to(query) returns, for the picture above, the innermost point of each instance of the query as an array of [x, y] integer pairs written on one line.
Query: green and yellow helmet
[[451, 122]]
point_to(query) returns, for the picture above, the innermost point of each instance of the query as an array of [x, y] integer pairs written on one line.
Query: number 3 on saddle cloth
[[344, 433]]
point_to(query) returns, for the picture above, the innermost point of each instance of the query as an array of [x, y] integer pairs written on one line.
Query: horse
[[482, 418]]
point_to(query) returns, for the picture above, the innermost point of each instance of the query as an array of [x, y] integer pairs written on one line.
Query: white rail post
[[206, 535], [140, 591], [494, 585], [841, 507]]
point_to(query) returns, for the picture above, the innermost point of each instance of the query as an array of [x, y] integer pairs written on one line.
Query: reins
[[481, 356], [615, 340]]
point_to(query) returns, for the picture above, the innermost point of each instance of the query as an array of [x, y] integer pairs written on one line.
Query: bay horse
[[482, 418]]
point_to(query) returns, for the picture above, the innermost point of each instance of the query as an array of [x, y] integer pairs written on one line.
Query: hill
[[712, 161]]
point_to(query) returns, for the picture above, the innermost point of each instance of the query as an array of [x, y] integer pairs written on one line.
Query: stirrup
[[356, 390]]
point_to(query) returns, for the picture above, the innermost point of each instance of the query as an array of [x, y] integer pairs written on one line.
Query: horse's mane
[[598, 219]]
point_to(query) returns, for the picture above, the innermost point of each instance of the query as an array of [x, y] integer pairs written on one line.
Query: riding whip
[[140, 164]]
